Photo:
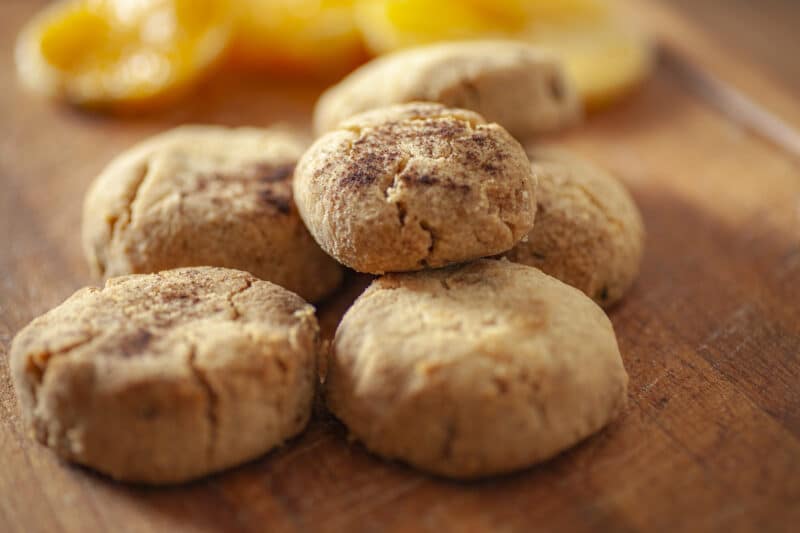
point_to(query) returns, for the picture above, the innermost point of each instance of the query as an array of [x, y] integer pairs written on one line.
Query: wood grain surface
[[710, 333]]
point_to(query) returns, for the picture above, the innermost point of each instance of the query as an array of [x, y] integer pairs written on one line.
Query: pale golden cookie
[[474, 370], [519, 86], [588, 232], [414, 186], [162, 378], [206, 195]]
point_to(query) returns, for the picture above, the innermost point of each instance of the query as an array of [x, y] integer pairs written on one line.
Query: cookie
[[588, 232], [520, 87], [474, 370], [206, 195], [414, 186], [162, 378]]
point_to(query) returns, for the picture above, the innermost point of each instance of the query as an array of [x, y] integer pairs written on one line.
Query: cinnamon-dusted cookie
[[588, 232], [474, 370], [413, 186], [206, 195], [519, 86], [162, 378]]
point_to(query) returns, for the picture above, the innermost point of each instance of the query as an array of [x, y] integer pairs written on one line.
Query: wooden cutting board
[[710, 334]]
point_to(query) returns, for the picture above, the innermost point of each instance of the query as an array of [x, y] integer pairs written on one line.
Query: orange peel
[[298, 37], [121, 53]]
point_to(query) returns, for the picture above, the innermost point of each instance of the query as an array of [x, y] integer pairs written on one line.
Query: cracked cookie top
[[185, 372], [474, 369], [519, 86], [414, 186], [206, 195], [153, 315]]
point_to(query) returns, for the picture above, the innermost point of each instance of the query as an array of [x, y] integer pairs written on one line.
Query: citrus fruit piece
[[389, 25], [540, 10], [605, 60], [121, 53], [603, 53], [307, 37]]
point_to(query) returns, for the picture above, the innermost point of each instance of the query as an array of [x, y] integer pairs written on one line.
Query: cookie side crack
[[599, 206], [234, 294], [394, 185], [121, 221], [211, 404], [402, 213], [432, 235], [36, 366], [510, 227], [305, 317]]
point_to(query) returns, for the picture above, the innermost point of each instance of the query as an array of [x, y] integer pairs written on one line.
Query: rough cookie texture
[[522, 88], [414, 186], [474, 370], [588, 232], [205, 195], [162, 378]]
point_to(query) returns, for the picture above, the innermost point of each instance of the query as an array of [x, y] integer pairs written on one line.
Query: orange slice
[[605, 60], [524, 11], [389, 25], [121, 53], [603, 54], [308, 37]]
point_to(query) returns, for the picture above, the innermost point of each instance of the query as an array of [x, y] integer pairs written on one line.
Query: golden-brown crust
[[162, 378], [205, 195], [519, 86], [588, 232], [474, 370], [415, 186]]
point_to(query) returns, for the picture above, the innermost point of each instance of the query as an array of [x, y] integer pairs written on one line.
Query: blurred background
[[123, 55], [134, 56]]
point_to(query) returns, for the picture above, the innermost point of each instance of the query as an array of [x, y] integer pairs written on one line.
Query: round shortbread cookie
[[589, 232], [206, 195], [162, 378], [415, 186], [474, 370], [519, 86]]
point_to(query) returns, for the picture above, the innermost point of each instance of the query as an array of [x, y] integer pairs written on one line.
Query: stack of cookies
[[479, 349]]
